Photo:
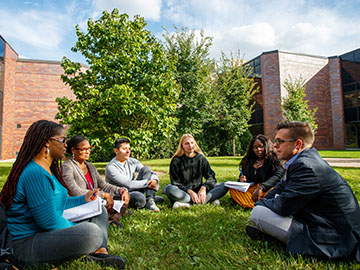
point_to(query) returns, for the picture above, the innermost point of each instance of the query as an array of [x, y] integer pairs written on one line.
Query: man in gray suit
[[313, 210]]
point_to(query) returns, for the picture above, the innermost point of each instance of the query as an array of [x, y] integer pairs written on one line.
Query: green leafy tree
[[191, 52], [127, 90], [294, 106], [231, 106]]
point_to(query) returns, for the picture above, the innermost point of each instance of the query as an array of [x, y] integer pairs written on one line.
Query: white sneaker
[[150, 205], [216, 203], [181, 204]]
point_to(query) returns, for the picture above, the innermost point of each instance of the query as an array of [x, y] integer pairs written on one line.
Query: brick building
[[28, 89], [332, 85]]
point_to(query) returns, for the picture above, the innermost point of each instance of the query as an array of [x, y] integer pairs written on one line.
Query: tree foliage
[[193, 64], [231, 107], [128, 89], [294, 106]]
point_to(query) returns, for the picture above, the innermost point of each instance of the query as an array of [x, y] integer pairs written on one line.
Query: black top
[[266, 175], [187, 173], [326, 214]]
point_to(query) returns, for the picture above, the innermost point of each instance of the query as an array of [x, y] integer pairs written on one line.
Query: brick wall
[[270, 91], [323, 85], [7, 137], [337, 106], [30, 97]]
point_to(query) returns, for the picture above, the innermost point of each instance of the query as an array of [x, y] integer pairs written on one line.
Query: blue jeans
[[56, 247], [139, 197], [175, 194]]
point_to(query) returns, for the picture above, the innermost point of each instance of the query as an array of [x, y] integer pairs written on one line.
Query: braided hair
[[37, 135], [249, 159]]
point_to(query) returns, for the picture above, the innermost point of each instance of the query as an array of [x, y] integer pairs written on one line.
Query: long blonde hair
[[180, 150]]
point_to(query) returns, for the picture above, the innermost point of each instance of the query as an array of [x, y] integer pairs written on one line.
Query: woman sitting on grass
[[82, 176], [35, 197], [188, 167], [260, 166]]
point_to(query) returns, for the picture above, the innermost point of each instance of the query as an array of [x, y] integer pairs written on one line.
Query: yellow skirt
[[244, 198]]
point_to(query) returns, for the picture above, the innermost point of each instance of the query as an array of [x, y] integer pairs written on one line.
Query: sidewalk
[[344, 162]]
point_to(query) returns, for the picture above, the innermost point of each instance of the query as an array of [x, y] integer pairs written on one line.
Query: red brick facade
[[323, 91], [30, 90]]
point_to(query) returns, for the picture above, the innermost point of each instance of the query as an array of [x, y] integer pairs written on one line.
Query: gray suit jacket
[[76, 181]]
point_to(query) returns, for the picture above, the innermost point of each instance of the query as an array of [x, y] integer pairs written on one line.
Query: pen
[[241, 173], [92, 188]]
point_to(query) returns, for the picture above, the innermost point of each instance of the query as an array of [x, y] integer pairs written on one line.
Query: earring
[[47, 152]]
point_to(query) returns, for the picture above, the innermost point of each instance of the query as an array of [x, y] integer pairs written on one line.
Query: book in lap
[[83, 211], [241, 186]]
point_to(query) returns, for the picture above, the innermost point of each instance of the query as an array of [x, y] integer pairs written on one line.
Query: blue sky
[[44, 29]]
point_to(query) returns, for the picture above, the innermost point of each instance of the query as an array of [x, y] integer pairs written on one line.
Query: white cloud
[[149, 9], [256, 26], [33, 28]]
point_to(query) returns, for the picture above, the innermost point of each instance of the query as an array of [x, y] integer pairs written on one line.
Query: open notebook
[[241, 186], [84, 211]]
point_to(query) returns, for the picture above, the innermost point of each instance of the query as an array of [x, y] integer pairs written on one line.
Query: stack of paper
[[241, 186], [84, 211]]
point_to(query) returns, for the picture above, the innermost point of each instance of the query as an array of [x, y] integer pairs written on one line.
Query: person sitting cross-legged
[[81, 176], [121, 172], [188, 167], [313, 210], [261, 167], [35, 196]]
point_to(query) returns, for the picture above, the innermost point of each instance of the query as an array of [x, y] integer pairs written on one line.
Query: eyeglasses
[[60, 140], [84, 149], [258, 147], [281, 141]]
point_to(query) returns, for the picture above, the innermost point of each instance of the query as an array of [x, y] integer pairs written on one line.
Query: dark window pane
[[347, 56], [351, 136], [350, 100], [357, 55], [2, 48], [349, 87], [351, 115]]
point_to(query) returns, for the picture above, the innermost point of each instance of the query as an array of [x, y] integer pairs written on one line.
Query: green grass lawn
[[340, 154], [202, 237]]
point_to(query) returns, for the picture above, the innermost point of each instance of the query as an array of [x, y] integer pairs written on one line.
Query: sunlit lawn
[[202, 237]]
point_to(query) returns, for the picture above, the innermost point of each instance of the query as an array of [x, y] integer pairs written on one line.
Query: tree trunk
[[234, 147]]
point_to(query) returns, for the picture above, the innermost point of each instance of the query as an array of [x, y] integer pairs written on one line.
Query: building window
[[18, 125], [256, 65], [2, 49], [350, 99], [350, 74]]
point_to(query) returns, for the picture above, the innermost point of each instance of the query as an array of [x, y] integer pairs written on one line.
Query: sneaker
[[151, 206], [255, 234], [181, 204], [107, 260], [216, 203], [159, 199]]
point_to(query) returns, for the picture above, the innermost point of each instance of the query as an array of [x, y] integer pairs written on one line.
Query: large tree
[[190, 49], [128, 88], [231, 106], [294, 106]]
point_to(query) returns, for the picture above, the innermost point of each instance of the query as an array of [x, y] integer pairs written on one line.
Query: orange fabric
[[244, 198]]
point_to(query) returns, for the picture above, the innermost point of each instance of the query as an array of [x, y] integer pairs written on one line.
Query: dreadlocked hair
[[36, 137]]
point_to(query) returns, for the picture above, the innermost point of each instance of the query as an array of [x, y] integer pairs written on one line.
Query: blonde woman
[[188, 168]]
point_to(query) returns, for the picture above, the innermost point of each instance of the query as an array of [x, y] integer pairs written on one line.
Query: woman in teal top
[[35, 197]]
